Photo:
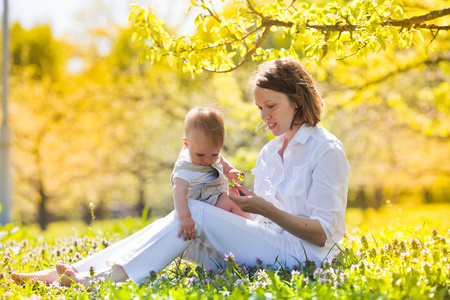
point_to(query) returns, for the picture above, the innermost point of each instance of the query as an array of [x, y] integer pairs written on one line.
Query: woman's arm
[[180, 201], [307, 229]]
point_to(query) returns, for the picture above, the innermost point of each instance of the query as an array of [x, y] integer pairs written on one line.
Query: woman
[[299, 202]]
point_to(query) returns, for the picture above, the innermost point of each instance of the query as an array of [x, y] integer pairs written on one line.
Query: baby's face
[[201, 149]]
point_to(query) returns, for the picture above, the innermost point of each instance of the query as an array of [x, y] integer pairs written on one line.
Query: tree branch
[[433, 26], [402, 69], [350, 55], [230, 38], [253, 10], [435, 14], [248, 55], [416, 21], [430, 61]]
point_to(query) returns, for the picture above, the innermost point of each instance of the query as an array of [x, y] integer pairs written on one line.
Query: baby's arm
[[180, 201], [229, 170]]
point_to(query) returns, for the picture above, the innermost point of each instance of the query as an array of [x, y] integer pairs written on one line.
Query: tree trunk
[[378, 197], [43, 214], [140, 206], [361, 198]]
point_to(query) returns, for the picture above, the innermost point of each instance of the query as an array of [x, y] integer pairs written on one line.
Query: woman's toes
[[60, 267], [15, 276], [68, 277]]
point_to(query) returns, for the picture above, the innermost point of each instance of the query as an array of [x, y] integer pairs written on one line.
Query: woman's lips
[[271, 126]]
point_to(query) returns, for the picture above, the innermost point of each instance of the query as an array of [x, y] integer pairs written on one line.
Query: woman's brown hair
[[287, 76]]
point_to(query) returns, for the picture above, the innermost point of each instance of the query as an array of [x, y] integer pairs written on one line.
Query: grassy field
[[399, 252]]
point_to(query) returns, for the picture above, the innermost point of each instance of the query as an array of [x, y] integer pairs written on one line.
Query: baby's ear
[[185, 142]]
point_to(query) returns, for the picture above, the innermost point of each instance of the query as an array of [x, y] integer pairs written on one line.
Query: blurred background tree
[[102, 127], [382, 66]]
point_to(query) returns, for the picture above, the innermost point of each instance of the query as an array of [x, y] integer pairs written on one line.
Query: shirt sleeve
[[327, 199], [184, 174]]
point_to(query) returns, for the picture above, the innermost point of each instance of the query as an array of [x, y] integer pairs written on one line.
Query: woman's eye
[[271, 106]]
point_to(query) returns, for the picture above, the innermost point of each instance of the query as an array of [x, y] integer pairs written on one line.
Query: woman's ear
[[185, 142]]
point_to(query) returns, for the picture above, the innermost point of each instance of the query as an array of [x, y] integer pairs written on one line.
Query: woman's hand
[[187, 228], [308, 229], [250, 202]]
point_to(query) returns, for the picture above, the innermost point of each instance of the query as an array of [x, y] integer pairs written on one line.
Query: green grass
[[396, 253]]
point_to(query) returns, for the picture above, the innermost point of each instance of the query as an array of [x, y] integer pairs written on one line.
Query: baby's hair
[[209, 121]]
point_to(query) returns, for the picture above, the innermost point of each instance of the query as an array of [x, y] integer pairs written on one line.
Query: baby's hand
[[187, 229], [235, 176]]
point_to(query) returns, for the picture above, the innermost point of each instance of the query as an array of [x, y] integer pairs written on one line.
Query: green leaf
[[199, 19], [231, 54], [398, 13], [131, 15], [374, 20], [243, 51], [361, 14], [302, 28], [293, 28], [418, 36], [394, 34], [134, 36], [381, 41]]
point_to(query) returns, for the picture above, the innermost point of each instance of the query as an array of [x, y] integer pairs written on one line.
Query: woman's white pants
[[218, 232]]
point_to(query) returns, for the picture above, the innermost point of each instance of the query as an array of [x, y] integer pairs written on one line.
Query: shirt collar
[[303, 134]]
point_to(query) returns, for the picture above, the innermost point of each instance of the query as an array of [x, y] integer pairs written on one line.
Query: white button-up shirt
[[311, 181]]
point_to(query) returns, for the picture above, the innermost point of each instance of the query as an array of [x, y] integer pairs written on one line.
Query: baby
[[198, 171]]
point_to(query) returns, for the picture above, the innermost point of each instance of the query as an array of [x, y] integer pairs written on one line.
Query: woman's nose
[[264, 114]]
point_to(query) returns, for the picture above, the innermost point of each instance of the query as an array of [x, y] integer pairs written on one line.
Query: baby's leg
[[224, 202]]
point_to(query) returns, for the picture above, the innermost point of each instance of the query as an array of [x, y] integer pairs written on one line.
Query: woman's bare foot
[[61, 268], [49, 275], [70, 277], [67, 273]]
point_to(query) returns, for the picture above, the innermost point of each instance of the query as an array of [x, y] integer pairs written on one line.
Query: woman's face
[[276, 110]]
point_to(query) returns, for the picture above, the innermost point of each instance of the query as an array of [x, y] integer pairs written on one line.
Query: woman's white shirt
[[311, 181]]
